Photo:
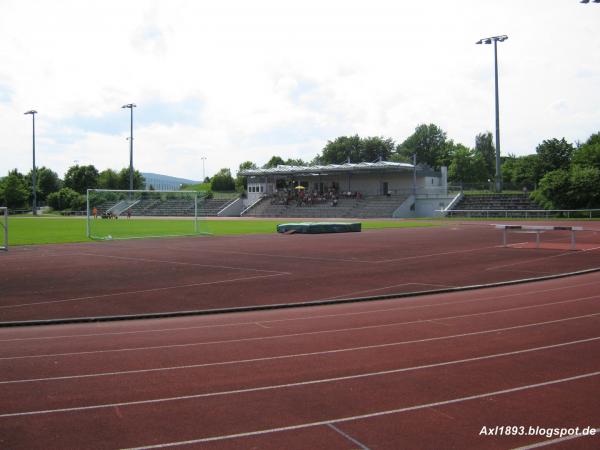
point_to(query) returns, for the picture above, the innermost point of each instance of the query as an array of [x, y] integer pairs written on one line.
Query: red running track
[[421, 372], [183, 274]]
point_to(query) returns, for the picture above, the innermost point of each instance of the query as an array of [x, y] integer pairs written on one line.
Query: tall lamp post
[[495, 40], [130, 106], [203, 158], [33, 112]]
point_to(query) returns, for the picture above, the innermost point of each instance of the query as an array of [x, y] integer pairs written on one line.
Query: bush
[[65, 199]]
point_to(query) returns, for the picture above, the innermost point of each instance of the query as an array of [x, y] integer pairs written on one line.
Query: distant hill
[[165, 182]]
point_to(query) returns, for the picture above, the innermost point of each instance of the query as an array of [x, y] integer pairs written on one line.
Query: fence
[[525, 213]]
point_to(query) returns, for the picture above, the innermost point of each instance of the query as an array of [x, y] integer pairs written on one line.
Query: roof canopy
[[381, 166]]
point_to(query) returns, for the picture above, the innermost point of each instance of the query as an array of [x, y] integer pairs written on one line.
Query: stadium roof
[[380, 166]]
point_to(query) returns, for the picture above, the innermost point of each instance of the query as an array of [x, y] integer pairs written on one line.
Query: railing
[[524, 213], [252, 205]]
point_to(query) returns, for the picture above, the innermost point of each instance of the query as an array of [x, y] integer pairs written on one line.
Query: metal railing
[[524, 213], [4, 225]]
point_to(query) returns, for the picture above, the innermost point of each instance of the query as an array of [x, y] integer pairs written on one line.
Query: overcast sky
[[244, 80]]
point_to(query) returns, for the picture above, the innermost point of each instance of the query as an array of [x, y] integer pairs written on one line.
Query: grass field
[[54, 230]]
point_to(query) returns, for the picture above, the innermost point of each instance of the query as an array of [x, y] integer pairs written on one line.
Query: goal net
[[3, 228], [124, 214]]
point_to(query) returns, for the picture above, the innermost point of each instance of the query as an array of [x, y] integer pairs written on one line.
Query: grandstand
[[166, 207], [493, 205]]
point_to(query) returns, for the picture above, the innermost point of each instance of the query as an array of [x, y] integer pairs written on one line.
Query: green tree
[[429, 144], [377, 147], [465, 167], [66, 199], [46, 180], [222, 181], [81, 178], [554, 190], [241, 182], [14, 192], [341, 150], [273, 162], [123, 179], [294, 162], [585, 187], [485, 150], [527, 171], [554, 154], [109, 179], [588, 155]]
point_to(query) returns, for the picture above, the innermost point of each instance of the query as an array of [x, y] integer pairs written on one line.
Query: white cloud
[[274, 77]]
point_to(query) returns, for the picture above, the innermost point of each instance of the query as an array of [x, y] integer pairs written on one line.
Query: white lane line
[[347, 436], [430, 255], [374, 414], [300, 383], [309, 317], [556, 441], [142, 291], [181, 263], [296, 355], [308, 333]]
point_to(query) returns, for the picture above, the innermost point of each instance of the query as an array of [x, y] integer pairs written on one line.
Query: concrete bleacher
[[493, 205], [366, 207], [178, 207]]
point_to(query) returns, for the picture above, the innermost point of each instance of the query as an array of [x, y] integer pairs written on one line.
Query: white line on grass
[[308, 333], [299, 355]]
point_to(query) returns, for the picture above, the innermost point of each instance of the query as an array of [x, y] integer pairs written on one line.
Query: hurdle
[[538, 229]]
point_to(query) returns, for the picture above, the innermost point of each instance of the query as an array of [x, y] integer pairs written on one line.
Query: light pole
[[203, 158], [130, 106], [33, 112], [495, 40]]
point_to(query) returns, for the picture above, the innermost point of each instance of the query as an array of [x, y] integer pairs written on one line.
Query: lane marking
[[295, 355], [309, 333], [300, 383], [181, 263], [310, 317], [347, 436], [353, 293], [556, 441], [142, 291]]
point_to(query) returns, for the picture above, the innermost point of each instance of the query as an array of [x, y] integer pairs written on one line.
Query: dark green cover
[[318, 227]]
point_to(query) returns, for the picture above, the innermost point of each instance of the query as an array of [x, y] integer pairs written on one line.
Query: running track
[[190, 274], [421, 372]]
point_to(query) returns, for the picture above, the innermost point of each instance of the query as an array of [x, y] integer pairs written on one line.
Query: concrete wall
[[422, 207], [233, 209]]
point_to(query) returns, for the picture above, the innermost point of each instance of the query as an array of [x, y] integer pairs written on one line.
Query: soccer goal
[[3, 228], [124, 214]]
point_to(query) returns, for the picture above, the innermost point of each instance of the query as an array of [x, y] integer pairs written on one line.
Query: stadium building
[[407, 191]]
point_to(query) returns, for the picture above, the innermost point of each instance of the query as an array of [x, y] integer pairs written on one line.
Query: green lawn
[[50, 230]]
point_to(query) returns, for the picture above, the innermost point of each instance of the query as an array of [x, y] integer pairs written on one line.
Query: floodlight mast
[[495, 40], [33, 112], [130, 106]]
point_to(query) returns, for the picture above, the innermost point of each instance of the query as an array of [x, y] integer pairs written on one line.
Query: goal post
[[125, 214], [3, 228]]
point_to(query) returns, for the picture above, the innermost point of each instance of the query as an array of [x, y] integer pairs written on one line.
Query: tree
[[341, 150], [14, 192], [484, 149], [139, 182], [465, 167], [222, 181], [554, 154], [588, 155], [429, 144], [554, 190], [294, 162], [47, 181], [526, 171], [273, 162], [81, 178], [585, 187], [109, 179], [241, 182], [66, 198], [377, 147]]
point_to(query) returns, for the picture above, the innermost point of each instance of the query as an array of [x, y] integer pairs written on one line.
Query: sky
[[235, 80]]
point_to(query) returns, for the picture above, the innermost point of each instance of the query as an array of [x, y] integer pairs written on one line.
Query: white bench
[[537, 229]]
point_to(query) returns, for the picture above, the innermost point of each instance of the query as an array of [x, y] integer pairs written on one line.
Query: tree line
[[62, 194], [560, 174]]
